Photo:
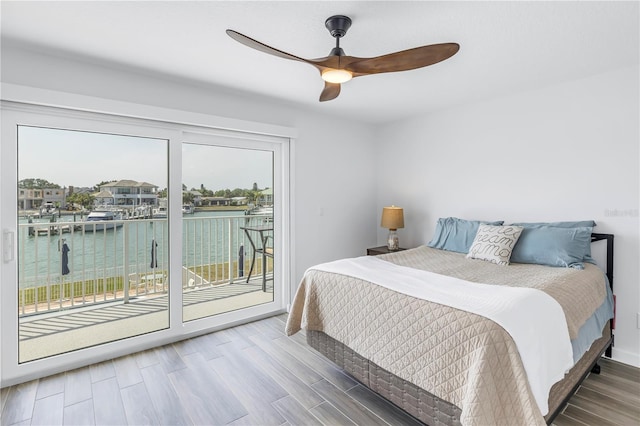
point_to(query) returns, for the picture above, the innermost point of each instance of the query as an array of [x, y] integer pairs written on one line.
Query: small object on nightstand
[[392, 219], [374, 251]]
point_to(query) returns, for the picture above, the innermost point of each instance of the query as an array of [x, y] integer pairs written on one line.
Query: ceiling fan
[[339, 68]]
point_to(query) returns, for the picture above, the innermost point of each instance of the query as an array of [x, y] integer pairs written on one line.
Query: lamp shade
[[392, 217]]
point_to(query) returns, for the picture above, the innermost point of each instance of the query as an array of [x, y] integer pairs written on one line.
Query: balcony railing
[[69, 264]]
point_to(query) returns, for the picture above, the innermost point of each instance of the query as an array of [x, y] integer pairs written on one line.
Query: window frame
[[28, 106], [226, 139]]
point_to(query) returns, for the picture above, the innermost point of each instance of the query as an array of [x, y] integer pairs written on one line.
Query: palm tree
[[187, 198], [254, 195]]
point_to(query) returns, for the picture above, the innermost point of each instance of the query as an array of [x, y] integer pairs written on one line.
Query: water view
[[41, 256], [93, 247]]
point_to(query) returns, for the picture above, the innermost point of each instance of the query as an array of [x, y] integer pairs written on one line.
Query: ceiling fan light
[[331, 75]]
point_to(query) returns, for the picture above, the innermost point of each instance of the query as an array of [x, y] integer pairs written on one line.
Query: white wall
[[333, 160], [568, 152]]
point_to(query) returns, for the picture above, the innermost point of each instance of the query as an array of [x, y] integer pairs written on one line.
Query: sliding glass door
[[228, 221], [91, 258], [119, 234]]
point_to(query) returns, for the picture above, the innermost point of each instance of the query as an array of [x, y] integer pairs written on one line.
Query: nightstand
[[374, 251]]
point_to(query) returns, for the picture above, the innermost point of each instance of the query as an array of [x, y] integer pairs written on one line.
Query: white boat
[[159, 213], [264, 213], [48, 209], [260, 210], [188, 209], [102, 220]]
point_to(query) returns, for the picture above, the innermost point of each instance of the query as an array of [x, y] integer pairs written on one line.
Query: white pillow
[[494, 243]]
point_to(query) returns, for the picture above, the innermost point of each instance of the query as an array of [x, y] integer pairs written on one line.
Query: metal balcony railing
[[62, 265]]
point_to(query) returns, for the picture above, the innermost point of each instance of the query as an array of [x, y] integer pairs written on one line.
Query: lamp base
[[393, 243]]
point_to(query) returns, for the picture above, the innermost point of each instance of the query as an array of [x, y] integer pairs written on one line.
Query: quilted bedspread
[[458, 356]]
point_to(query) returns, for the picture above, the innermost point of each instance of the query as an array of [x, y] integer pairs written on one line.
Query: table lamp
[[392, 219]]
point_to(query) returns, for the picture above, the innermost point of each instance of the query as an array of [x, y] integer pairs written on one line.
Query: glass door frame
[[233, 139], [128, 121]]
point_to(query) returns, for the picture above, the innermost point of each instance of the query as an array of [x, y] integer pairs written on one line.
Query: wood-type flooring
[[254, 375]]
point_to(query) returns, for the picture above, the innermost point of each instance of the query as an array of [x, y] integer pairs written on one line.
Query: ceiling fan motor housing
[[338, 25]]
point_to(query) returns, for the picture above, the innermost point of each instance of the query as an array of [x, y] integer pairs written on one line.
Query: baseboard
[[626, 357]]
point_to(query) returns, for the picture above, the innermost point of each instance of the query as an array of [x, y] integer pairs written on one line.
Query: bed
[[451, 364]]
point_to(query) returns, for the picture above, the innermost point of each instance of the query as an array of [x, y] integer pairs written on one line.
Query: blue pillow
[[455, 234], [553, 246], [569, 224]]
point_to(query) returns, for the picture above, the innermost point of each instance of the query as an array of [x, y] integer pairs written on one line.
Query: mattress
[[456, 356], [427, 407]]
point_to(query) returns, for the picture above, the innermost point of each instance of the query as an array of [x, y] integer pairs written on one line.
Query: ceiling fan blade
[[330, 91], [254, 44], [339, 67], [405, 60]]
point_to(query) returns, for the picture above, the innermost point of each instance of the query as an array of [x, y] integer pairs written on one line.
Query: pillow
[[573, 224], [455, 234], [553, 246], [495, 243]]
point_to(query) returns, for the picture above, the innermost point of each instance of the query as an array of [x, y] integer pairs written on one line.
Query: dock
[[48, 230]]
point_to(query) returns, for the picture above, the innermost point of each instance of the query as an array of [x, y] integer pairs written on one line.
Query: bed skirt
[[427, 407]]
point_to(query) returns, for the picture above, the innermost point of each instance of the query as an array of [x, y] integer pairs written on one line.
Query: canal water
[[206, 240]]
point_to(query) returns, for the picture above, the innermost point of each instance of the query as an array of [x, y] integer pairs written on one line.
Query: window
[[113, 238]]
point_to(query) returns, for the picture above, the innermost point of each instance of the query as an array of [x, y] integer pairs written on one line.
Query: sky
[[83, 159], [226, 167]]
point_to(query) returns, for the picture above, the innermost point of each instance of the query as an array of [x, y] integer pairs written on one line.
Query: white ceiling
[[505, 46]]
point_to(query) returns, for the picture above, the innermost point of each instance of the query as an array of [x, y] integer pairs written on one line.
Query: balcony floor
[[58, 332]]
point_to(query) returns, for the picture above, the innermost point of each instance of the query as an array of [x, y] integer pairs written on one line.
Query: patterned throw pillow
[[494, 243]]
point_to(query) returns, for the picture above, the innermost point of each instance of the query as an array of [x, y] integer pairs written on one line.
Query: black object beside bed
[[609, 273]]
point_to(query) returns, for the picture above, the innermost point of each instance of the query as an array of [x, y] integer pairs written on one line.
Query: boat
[[188, 209], [260, 210], [48, 209], [102, 220], [159, 213], [263, 212]]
